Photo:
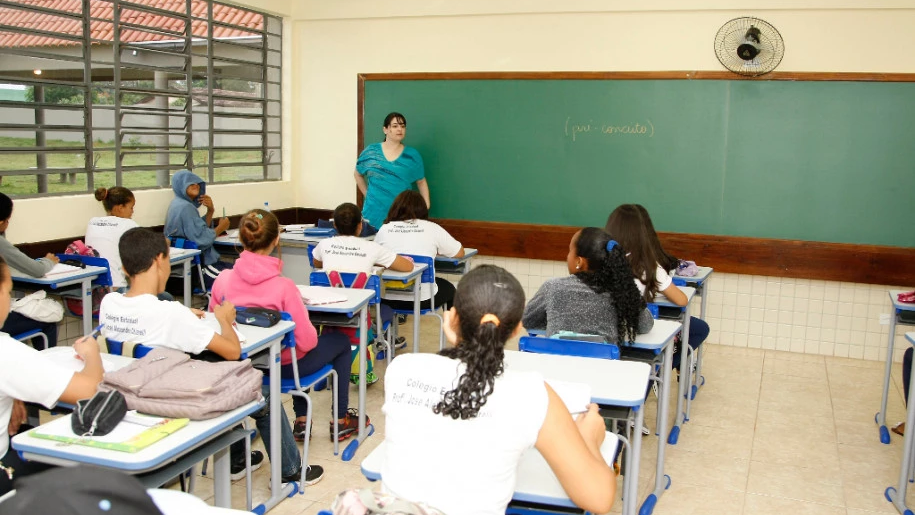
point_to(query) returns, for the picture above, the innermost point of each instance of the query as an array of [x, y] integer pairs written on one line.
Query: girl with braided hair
[[599, 297], [457, 423]]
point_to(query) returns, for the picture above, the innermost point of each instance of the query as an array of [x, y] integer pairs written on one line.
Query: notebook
[[318, 295], [61, 268], [210, 319], [576, 396], [126, 437]]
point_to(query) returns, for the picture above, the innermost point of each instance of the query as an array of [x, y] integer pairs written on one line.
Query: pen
[[223, 212], [97, 331]]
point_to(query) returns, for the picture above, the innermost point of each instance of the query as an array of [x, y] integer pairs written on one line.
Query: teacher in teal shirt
[[386, 169]]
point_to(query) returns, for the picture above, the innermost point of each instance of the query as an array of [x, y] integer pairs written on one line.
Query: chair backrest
[[564, 347], [135, 350], [184, 243], [428, 276], [102, 279], [653, 309], [319, 278], [679, 281], [311, 254]]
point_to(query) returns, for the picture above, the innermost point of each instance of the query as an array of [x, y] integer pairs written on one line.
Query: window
[[110, 92]]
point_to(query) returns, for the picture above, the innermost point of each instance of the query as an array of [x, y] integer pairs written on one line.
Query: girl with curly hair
[[598, 298], [457, 423]]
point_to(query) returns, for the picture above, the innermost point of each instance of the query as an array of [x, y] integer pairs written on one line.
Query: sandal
[[899, 429]]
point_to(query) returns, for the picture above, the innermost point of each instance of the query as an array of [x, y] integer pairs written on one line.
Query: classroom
[[796, 357]]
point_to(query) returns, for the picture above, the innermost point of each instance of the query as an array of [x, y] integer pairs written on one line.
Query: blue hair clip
[[611, 245]]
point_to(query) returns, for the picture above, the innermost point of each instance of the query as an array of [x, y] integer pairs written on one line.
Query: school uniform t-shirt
[[103, 234], [352, 254], [458, 466], [663, 278], [421, 238], [149, 321], [29, 376]]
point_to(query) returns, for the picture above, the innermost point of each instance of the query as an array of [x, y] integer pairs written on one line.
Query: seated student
[[27, 375], [104, 232], [408, 230], [347, 252], [630, 225], [899, 428], [16, 323], [183, 221], [139, 317], [457, 425], [256, 281], [598, 298]]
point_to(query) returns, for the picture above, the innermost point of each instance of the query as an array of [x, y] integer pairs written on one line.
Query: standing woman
[[16, 323], [385, 169]]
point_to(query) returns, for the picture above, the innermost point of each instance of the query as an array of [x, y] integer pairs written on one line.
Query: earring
[[577, 267]]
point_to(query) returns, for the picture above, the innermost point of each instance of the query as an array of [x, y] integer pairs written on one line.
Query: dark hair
[[609, 272], [6, 207], [139, 248], [347, 218], [394, 116], [409, 205], [116, 196], [630, 225], [487, 289], [258, 229]]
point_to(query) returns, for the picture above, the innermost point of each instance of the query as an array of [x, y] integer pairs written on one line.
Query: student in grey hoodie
[[19, 262], [184, 221]]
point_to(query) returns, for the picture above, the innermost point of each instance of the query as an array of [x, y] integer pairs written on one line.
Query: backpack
[[75, 306]]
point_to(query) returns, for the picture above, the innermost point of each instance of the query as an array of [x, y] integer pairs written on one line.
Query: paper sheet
[[318, 295], [576, 396], [210, 319], [61, 268]]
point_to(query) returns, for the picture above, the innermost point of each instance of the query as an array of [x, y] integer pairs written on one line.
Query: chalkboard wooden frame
[[870, 264]]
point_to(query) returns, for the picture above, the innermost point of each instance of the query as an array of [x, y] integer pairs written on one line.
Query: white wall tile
[[754, 341]]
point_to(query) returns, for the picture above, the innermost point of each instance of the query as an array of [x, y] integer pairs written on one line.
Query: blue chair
[[102, 281], [319, 278], [134, 350], [566, 347], [299, 387], [30, 335], [427, 277], [183, 243]]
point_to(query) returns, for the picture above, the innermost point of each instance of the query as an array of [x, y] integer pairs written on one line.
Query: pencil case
[[260, 317], [907, 297]]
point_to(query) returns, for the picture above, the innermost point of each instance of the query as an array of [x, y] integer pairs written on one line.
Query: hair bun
[[101, 194]]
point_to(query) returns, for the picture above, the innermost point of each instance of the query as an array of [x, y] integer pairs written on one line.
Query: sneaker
[[238, 469], [400, 343], [349, 426], [645, 430], [313, 474], [370, 378], [401, 319], [298, 431]]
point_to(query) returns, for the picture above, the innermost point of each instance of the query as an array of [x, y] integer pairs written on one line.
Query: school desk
[[158, 463], [612, 383], [898, 308], [406, 278], [897, 495], [700, 283], [81, 276], [455, 265], [685, 386], [184, 257], [535, 482], [342, 314]]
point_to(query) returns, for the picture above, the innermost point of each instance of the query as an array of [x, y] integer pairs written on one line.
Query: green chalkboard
[[818, 161]]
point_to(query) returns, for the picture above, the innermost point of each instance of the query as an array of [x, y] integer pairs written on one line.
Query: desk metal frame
[[880, 417]]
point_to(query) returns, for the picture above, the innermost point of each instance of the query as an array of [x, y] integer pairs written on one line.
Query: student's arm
[[675, 295], [572, 449], [535, 311], [318, 264], [360, 182], [16, 259], [225, 344], [85, 383], [401, 264], [423, 188], [646, 322]]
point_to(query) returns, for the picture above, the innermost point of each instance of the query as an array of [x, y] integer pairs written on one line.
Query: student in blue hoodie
[[184, 221]]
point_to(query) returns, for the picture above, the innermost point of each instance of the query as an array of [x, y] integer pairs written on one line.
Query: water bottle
[[267, 207]]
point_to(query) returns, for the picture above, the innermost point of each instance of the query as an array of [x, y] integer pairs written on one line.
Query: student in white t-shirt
[[104, 232], [30, 376], [138, 316], [347, 252], [457, 425], [408, 230]]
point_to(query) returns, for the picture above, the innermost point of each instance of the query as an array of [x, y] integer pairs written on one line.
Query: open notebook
[[210, 319], [317, 295], [576, 396]]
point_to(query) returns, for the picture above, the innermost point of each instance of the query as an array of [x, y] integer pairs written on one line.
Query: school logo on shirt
[[123, 325], [340, 249]]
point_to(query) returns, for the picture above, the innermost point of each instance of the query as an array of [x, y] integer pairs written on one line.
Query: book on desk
[[126, 437]]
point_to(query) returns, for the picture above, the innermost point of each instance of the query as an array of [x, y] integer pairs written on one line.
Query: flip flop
[[899, 429]]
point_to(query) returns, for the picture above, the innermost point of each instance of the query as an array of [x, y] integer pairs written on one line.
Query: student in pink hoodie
[[256, 281]]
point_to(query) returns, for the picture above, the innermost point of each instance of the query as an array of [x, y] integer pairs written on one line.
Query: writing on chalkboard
[[574, 129]]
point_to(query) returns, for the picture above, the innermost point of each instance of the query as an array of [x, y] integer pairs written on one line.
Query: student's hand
[[225, 312], [199, 312], [86, 347], [54, 259], [449, 326], [18, 417], [591, 426], [222, 226], [207, 201]]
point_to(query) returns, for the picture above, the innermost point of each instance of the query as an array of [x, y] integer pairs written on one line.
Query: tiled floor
[[771, 432]]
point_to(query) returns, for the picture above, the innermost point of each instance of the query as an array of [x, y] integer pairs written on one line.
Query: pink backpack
[[75, 306]]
